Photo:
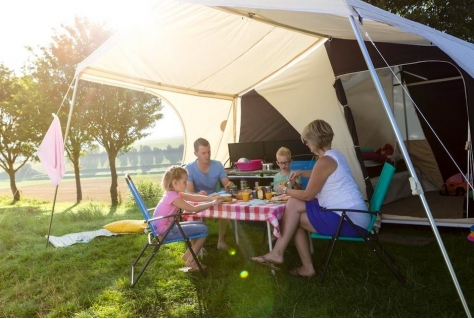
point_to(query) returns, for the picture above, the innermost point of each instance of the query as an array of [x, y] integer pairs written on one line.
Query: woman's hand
[[280, 188], [294, 176]]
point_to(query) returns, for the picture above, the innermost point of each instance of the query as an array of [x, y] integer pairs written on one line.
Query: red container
[[253, 165]]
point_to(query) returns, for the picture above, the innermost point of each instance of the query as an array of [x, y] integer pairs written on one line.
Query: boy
[[283, 160]]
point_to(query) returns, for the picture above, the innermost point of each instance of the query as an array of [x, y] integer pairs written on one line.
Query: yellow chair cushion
[[127, 226]]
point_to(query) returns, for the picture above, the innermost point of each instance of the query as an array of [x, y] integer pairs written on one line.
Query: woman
[[330, 185]]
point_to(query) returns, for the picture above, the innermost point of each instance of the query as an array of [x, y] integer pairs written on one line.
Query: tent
[[239, 70]]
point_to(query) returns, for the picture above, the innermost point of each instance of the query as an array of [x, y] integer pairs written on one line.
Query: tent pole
[[416, 187], [469, 163], [76, 84]]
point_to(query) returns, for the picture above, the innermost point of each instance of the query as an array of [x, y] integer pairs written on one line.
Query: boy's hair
[[173, 173], [319, 133], [283, 151], [200, 142]]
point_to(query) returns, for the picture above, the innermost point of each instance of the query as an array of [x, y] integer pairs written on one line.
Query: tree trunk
[[15, 190], [114, 185], [77, 175]]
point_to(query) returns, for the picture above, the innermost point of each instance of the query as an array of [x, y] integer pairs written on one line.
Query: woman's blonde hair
[[319, 133], [283, 151], [171, 174]]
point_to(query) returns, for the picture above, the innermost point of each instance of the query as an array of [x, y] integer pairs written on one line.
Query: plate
[[233, 201], [224, 194], [279, 199]]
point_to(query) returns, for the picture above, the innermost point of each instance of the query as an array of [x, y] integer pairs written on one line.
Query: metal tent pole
[[414, 182], [76, 84]]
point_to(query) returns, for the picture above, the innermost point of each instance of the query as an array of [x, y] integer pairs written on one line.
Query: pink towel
[[51, 152]]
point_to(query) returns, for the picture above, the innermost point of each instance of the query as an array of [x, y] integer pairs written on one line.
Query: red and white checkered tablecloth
[[240, 210]]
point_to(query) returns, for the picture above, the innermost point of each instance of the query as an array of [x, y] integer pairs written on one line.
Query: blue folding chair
[[155, 240], [369, 236]]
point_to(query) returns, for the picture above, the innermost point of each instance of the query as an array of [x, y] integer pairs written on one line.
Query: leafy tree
[[146, 158], [21, 127], [454, 17], [121, 119], [174, 155], [159, 155], [133, 157], [53, 69]]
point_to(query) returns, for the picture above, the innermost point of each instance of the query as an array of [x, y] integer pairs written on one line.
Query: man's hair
[[200, 142]]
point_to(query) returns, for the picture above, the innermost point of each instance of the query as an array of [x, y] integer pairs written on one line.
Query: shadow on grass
[[70, 208]]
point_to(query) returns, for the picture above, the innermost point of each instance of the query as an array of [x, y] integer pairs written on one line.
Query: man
[[204, 174]]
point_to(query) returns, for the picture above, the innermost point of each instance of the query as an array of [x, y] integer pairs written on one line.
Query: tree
[[54, 68], [21, 127], [120, 119], [454, 17]]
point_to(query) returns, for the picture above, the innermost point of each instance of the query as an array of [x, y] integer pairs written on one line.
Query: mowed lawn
[[93, 279]]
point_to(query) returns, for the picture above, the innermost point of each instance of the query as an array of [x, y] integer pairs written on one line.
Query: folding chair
[[370, 236], [155, 240]]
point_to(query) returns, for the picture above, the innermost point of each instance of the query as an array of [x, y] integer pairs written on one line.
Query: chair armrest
[[161, 217], [348, 210]]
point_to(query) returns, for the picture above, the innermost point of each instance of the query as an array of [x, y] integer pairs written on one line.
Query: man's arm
[[227, 184], [190, 188]]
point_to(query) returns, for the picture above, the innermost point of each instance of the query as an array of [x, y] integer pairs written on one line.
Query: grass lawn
[[93, 279]]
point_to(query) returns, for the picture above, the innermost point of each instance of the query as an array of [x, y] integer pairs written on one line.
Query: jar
[[260, 193], [233, 189]]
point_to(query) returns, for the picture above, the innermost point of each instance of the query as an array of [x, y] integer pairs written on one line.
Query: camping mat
[[409, 240], [440, 206]]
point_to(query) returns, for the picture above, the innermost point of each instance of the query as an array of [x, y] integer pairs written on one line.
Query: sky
[[32, 23]]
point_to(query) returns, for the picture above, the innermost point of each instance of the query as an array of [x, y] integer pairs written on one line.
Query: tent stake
[[408, 162]]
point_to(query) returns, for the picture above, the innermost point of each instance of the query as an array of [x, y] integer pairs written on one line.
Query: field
[[93, 189]]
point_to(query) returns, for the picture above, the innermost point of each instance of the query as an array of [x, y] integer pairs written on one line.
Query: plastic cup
[[245, 196], [268, 195]]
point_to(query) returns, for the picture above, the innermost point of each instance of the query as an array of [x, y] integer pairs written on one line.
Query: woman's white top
[[342, 191]]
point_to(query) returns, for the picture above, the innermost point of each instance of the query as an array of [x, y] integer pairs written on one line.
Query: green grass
[[93, 279]]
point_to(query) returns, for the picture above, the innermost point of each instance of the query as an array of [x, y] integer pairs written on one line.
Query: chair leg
[[384, 256], [330, 249], [145, 265], [327, 256]]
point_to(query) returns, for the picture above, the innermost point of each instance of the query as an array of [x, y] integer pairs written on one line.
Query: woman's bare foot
[[302, 272], [268, 258]]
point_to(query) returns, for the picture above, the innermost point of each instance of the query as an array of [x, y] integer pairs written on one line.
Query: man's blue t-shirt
[[205, 182]]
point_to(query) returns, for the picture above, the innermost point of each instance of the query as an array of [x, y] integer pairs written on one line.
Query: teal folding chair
[[370, 236], [154, 240]]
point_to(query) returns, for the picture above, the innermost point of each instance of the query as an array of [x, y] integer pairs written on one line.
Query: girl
[[174, 182]]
